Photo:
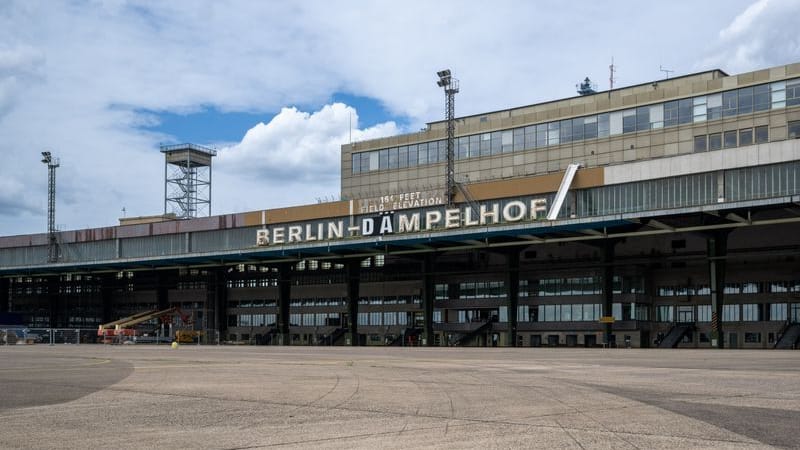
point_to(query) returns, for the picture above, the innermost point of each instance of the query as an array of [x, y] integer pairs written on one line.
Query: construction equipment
[[187, 336], [125, 326]]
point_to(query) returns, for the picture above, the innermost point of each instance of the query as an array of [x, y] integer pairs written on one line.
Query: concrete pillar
[[512, 287], [285, 271], [717, 245], [5, 294], [608, 285], [353, 269], [428, 296]]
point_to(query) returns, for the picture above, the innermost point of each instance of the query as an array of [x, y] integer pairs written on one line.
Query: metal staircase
[[789, 337], [673, 338]]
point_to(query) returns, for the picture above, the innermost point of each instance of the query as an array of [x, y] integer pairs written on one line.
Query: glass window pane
[[730, 102], [762, 134], [778, 94], [746, 136], [615, 123], [474, 146], [590, 127], [794, 129], [685, 111], [657, 116], [541, 135], [462, 149], [715, 141], [729, 139], [643, 118], [761, 97], [393, 158], [413, 156], [629, 121], [374, 161], [699, 109], [402, 156], [383, 159], [700, 143], [670, 114], [603, 125], [497, 142], [565, 131], [714, 106], [486, 144], [552, 133], [519, 138], [746, 100], [577, 129], [356, 164]]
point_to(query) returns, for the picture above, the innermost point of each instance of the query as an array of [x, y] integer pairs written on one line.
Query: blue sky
[[213, 127], [273, 85]]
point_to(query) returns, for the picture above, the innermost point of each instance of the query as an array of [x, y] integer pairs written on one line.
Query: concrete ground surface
[[120, 397]]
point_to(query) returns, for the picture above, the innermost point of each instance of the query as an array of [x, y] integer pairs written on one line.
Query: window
[[664, 313], [751, 312], [793, 92], [383, 159], [577, 129], [746, 136], [700, 143], [699, 109], [704, 313], [615, 123], [393, 161], [752, 338], [762, 134], [602, 125], [777, 92], [745, 100], [715, 141], [794, 129], [730, 313], [541, 135], [730, 102], [522, 139], [552, 133], [628, 121], [729, 139], [670, 113], [714, 106], [761, 97], [565, 131], [685, 111], [777, 311], [643, 118], [590, 127]]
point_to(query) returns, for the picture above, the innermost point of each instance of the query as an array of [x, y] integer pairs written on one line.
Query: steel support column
[[512, 285], [52, 301], [428, 297], [608, 287], [717, 245], [108, 284], [162, 290], [284, 299], [218, 297], [5, 294], [353, 268]]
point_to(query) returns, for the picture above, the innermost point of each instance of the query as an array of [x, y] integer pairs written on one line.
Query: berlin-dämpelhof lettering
[[406, 222]]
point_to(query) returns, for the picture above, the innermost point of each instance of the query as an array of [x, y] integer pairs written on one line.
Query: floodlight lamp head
[[46, 157], [443, 73]]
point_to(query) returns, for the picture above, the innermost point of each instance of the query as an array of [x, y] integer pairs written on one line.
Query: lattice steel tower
[[450, 86], [187, 180], [52, 243]]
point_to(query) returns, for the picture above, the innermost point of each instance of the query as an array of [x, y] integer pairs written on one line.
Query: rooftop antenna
[[666, 71], [52, 244], [586, 87], [611, 69], [450, 85]]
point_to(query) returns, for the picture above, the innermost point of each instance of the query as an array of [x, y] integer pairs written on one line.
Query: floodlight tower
[[52, 165], [450, 86]]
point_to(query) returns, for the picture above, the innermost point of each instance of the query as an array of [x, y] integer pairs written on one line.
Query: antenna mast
[[666, 71], [611, 69]]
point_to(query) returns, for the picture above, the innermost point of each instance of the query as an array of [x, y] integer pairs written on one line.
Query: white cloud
[[763, 35], [293, 159]]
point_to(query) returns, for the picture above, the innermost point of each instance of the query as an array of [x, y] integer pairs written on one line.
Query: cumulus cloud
[[20, 66], [299, 144], [763, 35], [293, 159]]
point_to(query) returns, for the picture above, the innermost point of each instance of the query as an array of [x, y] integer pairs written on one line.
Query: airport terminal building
[[665, 214]]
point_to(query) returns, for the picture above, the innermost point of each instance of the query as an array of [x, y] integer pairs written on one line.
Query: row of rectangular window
[[731, 139], [752, 287], [748, 312], [644, 118]]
